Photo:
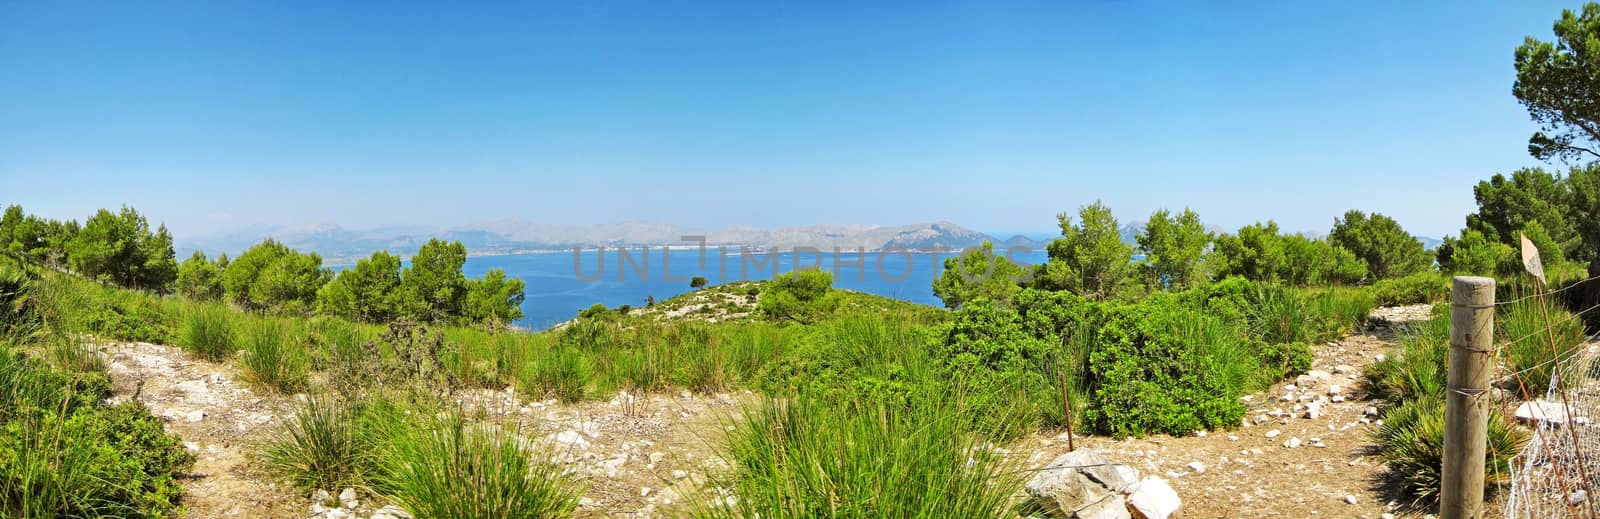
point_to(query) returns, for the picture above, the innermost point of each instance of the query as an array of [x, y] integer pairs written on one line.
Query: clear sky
[[996, 115]]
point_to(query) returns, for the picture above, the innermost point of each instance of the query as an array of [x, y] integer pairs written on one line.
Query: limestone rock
[[1080, 485], [1153, 498]]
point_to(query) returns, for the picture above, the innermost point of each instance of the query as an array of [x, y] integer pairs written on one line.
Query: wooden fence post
[[1466, 411]]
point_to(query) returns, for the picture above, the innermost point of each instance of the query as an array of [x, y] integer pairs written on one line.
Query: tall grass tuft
[[465, 472], [208, 331], [1531, 354], [321, 447], [1411, 440], [811, 458], [274, 357], [1277, 316]]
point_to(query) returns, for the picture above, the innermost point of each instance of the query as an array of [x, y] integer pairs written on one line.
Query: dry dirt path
[[218, 417]]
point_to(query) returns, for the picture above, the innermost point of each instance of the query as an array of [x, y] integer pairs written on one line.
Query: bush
[[467, 472], [802, 295], [1422, 287], [208, 331], [274, 356], [811, 458], [65, 453], [1162, 368]]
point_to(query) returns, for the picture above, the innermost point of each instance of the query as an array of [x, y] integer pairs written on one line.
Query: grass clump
[[320, 448], [274, 356], [466, 472], [817, 458], [208, 331], [1530, 352]]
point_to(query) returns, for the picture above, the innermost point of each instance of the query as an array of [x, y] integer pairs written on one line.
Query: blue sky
[[210, 116]]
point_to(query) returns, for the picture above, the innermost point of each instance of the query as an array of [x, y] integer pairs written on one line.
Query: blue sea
[[558, 285]]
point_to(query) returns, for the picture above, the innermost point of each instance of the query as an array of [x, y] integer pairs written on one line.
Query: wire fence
[[1558, 470]]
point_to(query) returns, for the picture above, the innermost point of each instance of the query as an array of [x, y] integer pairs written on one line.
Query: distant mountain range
[[339, 245]]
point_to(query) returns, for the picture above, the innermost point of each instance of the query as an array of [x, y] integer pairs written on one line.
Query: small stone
[[656, 457], [644, 491], [1349, 499], [347, 498], [395, 512], [1233, 438], [336, 513], [195, 416], [679, 474], [1274, 433], [1333, 390], [1200, 434], [1344, 369], [1293, 443], [1337, 398], [1197, 467], [320, 496], [1386, 515], [1379, 357]]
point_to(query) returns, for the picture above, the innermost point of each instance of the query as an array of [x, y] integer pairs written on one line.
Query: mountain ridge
[[337, 244]]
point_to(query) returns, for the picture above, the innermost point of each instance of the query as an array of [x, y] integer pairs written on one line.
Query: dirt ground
[[639, 455]]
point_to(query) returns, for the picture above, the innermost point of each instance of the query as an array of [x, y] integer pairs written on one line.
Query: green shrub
[[822, 458], [465, 472], [274, 356], [320, 448], [1422, 287], [1290, 358], [208, 331], [802, 295], [1146, 378], [65, 453]]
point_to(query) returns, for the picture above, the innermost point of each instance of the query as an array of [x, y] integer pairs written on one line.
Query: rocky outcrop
[[1085, 485]]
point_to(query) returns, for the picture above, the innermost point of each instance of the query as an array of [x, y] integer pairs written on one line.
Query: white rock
[[572, 439], [1293, 443], [193, 387], [336, 513], [1344, 369], [1553, 413], [1333, 390], [1379, 357], [1083, 481], [644, 491], [195, 416], [1273, 433], [395, 512], [1197, 467], [679, 474], [320, 496], [656, 457], [1233, 438], [347, 498], [1153, 498], [1349, 499]]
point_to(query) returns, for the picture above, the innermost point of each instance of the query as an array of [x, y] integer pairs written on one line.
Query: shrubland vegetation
[[869, 407]]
